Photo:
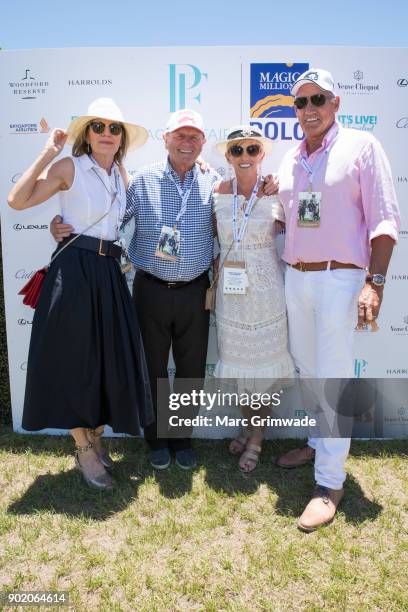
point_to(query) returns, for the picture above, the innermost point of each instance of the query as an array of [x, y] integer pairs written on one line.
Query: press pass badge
[[168, 246], [309, 209], [235, 278]]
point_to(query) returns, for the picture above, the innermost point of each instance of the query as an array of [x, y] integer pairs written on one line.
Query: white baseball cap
[[318, 76], [184, 118]]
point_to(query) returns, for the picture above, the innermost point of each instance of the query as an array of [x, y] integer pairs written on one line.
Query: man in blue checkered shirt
[[169, 294]]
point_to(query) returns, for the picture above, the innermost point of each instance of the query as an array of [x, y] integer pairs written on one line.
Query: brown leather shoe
[[296, 457], [321, 508]]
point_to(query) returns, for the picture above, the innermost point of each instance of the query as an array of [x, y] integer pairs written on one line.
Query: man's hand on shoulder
[[204, 166], [270, 185], [60, 230]]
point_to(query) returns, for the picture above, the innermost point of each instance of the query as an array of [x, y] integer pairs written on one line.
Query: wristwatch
[[376, 279]]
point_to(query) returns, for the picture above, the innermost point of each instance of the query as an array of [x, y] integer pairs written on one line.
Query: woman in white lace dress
[[250, 304]]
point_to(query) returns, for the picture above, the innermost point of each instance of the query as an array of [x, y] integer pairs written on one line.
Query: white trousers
[[322, 314]]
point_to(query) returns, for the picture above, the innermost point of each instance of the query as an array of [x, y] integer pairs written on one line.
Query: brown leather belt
[[317, 266]]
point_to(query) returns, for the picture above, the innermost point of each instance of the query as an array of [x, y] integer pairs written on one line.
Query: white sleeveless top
[[90, 196]]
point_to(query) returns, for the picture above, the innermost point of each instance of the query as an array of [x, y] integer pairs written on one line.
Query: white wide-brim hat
[[244, 132], [106, 108]]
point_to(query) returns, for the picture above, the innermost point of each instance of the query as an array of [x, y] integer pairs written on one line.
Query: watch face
[[378, 279]]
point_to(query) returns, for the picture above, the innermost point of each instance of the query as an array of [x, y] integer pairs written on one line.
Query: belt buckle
[[170, 284], [100, 248], [302, 266]]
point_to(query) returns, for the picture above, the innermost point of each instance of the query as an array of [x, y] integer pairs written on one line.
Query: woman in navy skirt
[[86, 364]]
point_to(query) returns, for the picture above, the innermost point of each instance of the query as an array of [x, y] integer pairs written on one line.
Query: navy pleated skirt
[[86, 364]]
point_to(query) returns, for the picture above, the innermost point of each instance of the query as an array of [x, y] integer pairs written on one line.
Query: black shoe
[[160, 458], [186, 459]]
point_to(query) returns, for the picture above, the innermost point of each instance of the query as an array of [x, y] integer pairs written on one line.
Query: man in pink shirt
[[342, 222]]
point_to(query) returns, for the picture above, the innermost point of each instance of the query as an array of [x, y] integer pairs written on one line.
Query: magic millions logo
[[41, 127], [358, 85], [270, 89], [29, 86], [270, 99]]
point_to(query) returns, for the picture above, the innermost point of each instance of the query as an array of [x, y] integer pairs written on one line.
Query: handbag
[[32, 290], [211, 292]]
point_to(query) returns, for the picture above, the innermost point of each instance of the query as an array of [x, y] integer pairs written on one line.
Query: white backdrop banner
[[45, 88]]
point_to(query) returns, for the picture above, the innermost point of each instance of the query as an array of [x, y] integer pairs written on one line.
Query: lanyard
[[311, 172], [238, 235], [113, 193], [184, 194]]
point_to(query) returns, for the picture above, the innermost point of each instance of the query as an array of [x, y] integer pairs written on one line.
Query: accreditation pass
[[235, 278]]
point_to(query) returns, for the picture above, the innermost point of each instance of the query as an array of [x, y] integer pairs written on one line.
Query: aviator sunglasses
[[316, 100], [237, 150], [98, 127]]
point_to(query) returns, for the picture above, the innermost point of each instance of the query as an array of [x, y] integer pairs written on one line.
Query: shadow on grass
[[67, 493], [293, 488]]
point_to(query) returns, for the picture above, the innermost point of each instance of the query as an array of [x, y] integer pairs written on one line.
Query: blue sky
[[78, 23]]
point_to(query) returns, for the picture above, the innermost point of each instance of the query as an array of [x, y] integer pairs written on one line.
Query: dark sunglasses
[[316, 100], [98, 127], [253, 150]]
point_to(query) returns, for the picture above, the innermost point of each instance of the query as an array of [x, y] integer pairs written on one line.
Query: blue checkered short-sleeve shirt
[[153, 200]]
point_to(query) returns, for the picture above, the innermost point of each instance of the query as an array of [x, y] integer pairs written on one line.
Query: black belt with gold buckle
[[106, 248]]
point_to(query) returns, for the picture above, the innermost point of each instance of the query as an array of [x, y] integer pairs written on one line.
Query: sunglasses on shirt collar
[[252, 150], [316, 100], [98, 127]]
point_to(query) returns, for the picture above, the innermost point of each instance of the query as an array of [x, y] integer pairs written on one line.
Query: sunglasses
[[316, 100], [98, 127], [253, 150]]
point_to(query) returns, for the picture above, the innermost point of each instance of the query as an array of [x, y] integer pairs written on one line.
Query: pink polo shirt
[[358, 198]]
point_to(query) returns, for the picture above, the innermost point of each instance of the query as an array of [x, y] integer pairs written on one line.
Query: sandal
[[103, 455], [250, 458], [103, 481], [238, 444]]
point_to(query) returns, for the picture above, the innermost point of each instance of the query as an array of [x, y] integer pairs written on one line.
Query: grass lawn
[[208, 540]]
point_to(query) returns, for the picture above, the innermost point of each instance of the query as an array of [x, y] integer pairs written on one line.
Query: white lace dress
[[252, 328]]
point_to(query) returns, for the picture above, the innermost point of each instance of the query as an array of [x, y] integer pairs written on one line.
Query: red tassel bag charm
[[32, 289]]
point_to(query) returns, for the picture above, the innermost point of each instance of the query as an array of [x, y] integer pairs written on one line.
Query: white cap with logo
[[184, 118], [318, 76]]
